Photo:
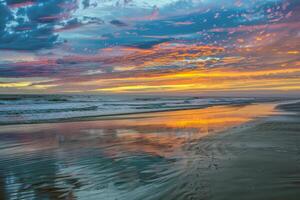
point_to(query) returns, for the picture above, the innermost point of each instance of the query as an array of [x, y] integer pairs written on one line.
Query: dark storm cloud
[[5, 15], [29, 25], [118, 23], [86, 3], [33, 25]]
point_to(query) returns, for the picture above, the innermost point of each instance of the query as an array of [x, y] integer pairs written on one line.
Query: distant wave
[[18, 109], [15, 112]]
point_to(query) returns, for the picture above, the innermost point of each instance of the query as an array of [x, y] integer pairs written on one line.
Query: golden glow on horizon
[[15, 84], [206, 80], [142, 71], [25, 85], [196, 80], [293, 52], [42, 87], [144, 87]]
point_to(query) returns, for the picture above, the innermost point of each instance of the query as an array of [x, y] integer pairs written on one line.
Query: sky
[[203, 47]]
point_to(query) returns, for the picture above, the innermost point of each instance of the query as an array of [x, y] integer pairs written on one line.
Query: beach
[[237, 151], [254, 161], [149, 100]]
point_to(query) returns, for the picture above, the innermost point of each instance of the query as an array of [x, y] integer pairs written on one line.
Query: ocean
[[182, 154], [18, 109]]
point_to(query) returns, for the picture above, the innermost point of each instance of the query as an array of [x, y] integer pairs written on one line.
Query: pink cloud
[[23, 4]]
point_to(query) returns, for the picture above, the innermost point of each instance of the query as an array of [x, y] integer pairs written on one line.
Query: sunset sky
[[150, 46]]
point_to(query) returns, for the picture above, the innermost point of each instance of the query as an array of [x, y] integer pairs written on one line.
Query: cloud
[[118, 23], [33, 25], [29, 26], [163, 54], [133, 46]]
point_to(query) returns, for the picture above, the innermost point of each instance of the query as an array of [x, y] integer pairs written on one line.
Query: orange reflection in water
[[161, 133], [165, 132]]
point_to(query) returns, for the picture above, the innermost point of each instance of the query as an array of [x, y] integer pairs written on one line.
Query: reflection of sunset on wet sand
[[170, 154], [161, 133]]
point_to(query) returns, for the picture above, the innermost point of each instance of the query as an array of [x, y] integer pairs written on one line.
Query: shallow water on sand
[[143, 156]]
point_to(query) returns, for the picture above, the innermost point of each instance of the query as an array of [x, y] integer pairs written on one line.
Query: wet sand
[[259, 160], [222, 152]]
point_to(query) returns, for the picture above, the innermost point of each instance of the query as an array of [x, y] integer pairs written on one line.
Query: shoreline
[[220, 152], [133, 115]]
